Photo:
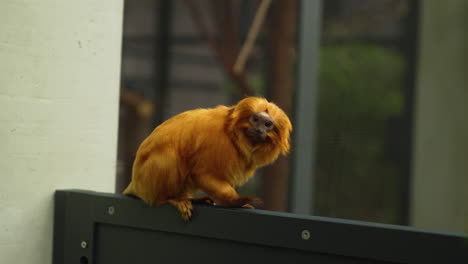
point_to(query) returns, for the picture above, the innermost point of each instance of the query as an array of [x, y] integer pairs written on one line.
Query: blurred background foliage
[[257, 84], [360, 91]]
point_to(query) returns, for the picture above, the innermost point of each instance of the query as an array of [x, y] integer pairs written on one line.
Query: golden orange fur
[[210, 150]]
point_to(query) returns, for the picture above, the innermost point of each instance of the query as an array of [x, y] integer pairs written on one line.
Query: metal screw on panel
[[84, 244], [111, 210], [305, 234]]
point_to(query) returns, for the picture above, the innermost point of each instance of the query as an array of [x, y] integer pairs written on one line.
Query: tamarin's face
[[260, 124]]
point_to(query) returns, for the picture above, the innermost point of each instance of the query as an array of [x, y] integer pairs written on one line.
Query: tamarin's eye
[[268, 124]]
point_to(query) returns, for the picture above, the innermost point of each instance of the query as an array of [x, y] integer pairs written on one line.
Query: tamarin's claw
[[248, 202], [184, 206], [249, 206], [255, 201], [186, 215]]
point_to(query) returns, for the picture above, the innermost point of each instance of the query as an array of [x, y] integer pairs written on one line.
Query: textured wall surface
[[440, 173], [59, 86]]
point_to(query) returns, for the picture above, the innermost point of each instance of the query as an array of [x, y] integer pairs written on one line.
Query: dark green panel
[[118, 229]]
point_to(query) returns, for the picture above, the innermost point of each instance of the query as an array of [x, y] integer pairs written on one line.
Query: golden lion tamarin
[[210, 150]]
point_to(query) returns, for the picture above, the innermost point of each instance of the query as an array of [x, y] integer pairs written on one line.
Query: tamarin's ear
[[284, 140], [284, 131]]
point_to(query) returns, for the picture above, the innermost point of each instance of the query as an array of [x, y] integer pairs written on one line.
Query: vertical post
[[439, 169], [301, 191], [162, 58], [281, 77], [410, 49]]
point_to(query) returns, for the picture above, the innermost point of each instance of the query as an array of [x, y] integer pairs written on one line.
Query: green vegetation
[[360, 91]]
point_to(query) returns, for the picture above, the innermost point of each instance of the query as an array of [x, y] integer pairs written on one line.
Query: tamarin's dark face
[[261, 124]]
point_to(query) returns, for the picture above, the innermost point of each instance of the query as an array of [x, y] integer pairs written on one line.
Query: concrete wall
[[440, 186], [59, 85]]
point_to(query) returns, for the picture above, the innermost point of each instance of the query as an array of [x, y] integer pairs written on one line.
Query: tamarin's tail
[[129, 190]]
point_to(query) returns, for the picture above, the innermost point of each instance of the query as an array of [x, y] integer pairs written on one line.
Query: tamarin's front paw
[[254, 202], [245, 200], [203, 200]]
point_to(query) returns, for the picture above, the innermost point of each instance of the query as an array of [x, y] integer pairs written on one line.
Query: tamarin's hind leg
[[184, 206]]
